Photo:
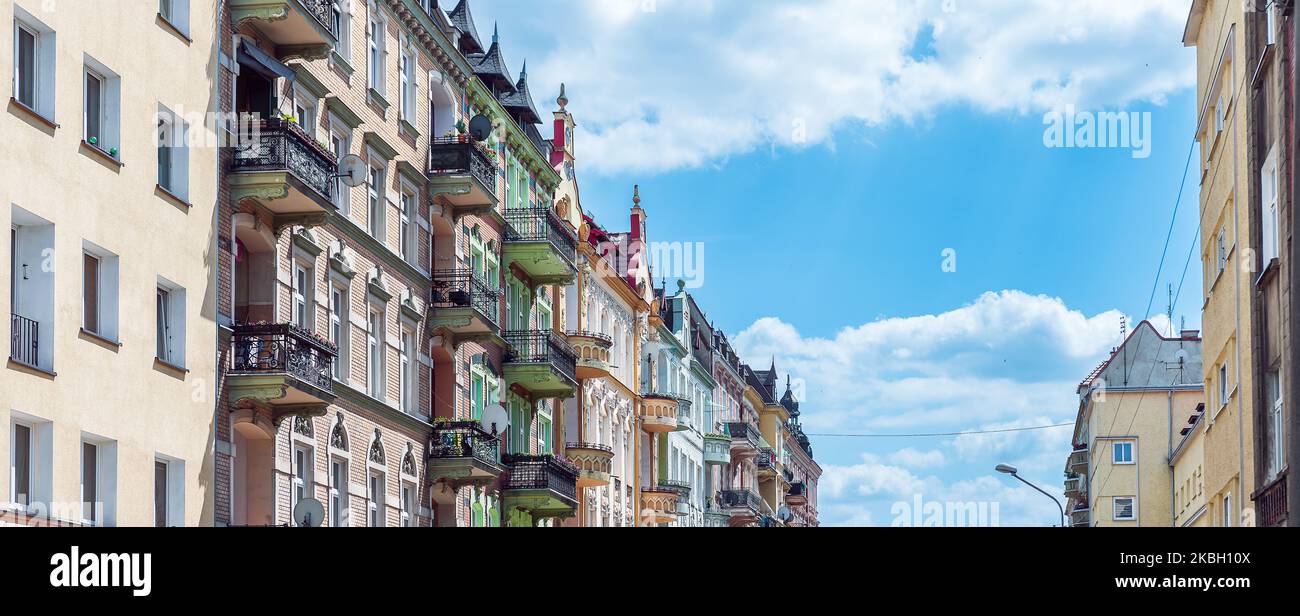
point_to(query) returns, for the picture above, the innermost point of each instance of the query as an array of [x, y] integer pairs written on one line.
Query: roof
[[491, 67], [1192, 31], [464, 21], [520, 102]]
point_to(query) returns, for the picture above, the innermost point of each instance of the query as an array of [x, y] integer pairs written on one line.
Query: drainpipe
[[1173, 487], [1292, 374], [1242, 492]]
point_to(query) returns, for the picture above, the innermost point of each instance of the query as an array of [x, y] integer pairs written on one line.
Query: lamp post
[[1011, 470]]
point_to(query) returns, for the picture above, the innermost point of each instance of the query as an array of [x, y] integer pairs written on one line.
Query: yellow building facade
[[1218, 30], [1131, 410]]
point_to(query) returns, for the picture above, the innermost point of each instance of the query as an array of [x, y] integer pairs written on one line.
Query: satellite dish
[[353, 170], [784, 513], [480, 127], [495, 416], [308, 513]]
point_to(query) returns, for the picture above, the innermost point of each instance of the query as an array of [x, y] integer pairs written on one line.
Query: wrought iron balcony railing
[[457, 155], [682, 488], [276, 348], [464, 289], [24, 340], [541, 473], [542, 347], [464, 439], [279, 145], [766, 460], [740, 499], [1271, 504], [742, 431], [541, 224], [322, 11], [798, 489]]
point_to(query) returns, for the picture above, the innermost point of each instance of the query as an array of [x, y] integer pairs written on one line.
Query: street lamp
[[1011, 470]]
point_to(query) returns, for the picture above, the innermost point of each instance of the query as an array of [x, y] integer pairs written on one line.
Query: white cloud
[[1007, 361], [914, 458], [667, 84]]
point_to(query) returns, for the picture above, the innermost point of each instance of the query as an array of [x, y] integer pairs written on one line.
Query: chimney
[[1191, 334]]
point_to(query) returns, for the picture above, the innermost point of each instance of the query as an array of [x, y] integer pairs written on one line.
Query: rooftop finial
[[636, 194], [523, 75], [496, 29], [563, 100]]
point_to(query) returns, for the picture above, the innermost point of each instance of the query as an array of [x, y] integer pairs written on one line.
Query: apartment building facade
[[1132, 411], [107, 392], [1245, 93]]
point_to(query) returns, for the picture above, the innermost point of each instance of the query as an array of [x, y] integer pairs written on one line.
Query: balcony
[[716, 519], [684, 420], [460, 454], [299, 28], [1079, 516], [287, 172], [744, 506], [541, 485], [593, 461], [659, 503], [462, 177], [540, 362], [593, 353], [745, 440], [541, 244], [765, 463], [1079, 460], [1270, 503], [464, 307], [659, 413], [24, 340], [798, 494], [1074, 488], [717, 449], [281, 367]]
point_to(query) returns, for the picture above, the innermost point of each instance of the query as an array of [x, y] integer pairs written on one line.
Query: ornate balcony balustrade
[[1270, 503], [541, 244], [283, 348], [463, 175], [464, 305], [542, 362], [286, 171], [299, 28], [593, 461], [797, 495], [544, 486]]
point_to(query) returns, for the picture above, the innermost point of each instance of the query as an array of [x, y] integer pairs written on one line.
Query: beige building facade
[[109, 280], [1131, 410]]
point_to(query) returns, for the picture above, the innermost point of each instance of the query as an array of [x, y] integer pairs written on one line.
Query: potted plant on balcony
[[460, 131]]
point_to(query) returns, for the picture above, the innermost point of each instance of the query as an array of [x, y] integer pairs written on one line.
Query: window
[[34, 62], [377, 53], [1227, 511], [375, 354], [1269, 204], [304, 109], [544, 427], [102, 96], [375, 212], [1270, 23], [1123, 452], [338, 493], [1224, 391], [89, 482], [406, 75], [21, 474], [342, 21], [161, 496], [176, 13], [170, 317], [302, 296], [90, 293], [406, 375], [1220, 113], [1276, 423], [408, 504], [406, 230], [476, 395], [339, 328], [375, 501], [303, 464], [1125, 509], [173, 154], [341, 146], [1223, 249], [94, 110]]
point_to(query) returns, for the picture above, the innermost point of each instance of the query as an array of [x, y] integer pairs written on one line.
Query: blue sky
[[827, 153]]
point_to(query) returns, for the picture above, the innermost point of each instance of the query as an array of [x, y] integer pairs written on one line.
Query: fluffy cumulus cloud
[[1004, 362], [668, 84]]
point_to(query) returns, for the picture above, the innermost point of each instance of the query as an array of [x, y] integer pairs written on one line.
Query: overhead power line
[[940, 434]]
